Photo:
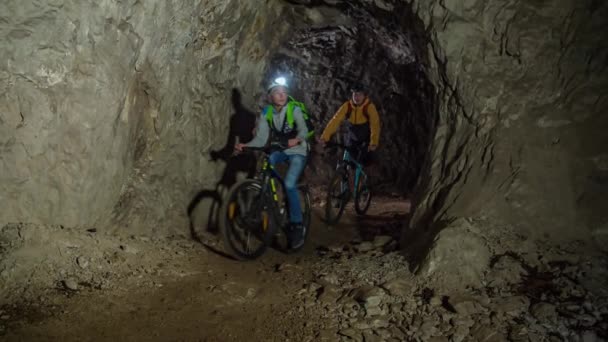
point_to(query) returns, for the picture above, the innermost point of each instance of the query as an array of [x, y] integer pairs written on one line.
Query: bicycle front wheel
[[304, 197], [306, 213], [306, 208], [363, 198], [337, 196], [247, 223]]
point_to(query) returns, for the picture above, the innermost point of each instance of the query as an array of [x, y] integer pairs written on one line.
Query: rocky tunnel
[[495, 110], [108, 117], [383, 48]]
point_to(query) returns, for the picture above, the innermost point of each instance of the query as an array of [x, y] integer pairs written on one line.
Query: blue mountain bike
[[343, 185]]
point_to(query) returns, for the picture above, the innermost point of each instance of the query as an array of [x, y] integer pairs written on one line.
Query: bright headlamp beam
[[281, 81]]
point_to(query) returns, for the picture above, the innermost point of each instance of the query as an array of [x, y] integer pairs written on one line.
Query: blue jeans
[[297, 163]]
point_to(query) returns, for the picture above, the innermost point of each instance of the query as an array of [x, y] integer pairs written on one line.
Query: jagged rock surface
[[108, 110], [359, 41], [554, 295], [521, 134]]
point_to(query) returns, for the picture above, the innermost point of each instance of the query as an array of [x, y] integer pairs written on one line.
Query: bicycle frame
[[270, 176], [262, 211], [349, 160]]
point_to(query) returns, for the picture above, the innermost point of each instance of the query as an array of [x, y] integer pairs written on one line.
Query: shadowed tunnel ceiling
[[335, 47]]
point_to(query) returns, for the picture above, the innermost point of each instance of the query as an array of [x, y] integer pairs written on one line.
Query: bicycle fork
[[264, 204], [270, 204], [358, 175], [354, 186]]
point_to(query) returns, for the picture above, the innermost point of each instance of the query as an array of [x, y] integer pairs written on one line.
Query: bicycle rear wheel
[[363, 198], [305, 205], [247, 223], [337, 197], [306, 213]]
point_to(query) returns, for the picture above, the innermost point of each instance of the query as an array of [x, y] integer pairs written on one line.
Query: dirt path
[[211, 298], [348, 284]]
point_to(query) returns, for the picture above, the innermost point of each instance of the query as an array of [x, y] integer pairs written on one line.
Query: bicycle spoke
[[336, 198], [248, 247], [364, 195], [243, 226], [241, 201]]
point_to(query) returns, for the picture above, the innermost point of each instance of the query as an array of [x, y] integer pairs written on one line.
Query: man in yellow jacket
[[363, 124]]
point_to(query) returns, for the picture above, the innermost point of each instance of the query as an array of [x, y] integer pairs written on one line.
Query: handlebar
[[331, 144], [266, 149]]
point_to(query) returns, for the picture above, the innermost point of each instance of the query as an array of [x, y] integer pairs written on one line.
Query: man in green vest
[[284, 123]]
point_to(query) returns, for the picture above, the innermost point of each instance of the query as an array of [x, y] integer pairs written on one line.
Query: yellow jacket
[[357, 117]]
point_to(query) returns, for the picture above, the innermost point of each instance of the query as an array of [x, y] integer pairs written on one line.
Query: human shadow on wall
[[242, 124]]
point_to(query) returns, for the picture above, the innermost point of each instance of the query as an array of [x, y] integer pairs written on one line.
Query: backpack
[[357, 133], [350, 110], [290, 119]]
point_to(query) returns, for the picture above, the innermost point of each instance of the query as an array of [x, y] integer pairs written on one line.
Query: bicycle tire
[[364, 190], [307, 208], [306, 214], [335, 185], [262, 230]]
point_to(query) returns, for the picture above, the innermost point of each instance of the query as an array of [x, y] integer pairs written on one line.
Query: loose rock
[[365, 246], [544, 312], [398, 287], [369, 295], [82, 262], [381, 241], [352, 333], [70, 284]]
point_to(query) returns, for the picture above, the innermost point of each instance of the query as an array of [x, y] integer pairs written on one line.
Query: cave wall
[[108, 109], [522, 132], [522, 106]]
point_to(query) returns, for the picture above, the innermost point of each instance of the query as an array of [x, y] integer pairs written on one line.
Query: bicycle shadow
[[208, 202]]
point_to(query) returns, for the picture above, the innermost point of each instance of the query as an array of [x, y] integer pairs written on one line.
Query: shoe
[[296, 236]]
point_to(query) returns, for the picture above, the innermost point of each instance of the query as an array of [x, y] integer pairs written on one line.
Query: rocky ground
[[362, 292], [348, 284]]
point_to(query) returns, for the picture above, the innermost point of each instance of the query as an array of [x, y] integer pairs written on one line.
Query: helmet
[[358, 88], [278, 82]]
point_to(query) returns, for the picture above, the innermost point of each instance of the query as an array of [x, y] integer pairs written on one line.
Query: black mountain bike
[[343, 186], [255, 213]]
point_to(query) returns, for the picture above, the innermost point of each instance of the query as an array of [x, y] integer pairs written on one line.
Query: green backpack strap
[[307, 118], [268, 115], [290, 107], [289, 115]]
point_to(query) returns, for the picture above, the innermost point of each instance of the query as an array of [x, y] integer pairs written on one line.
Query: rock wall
[[108, 109], [522, 131], [522, 107]]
